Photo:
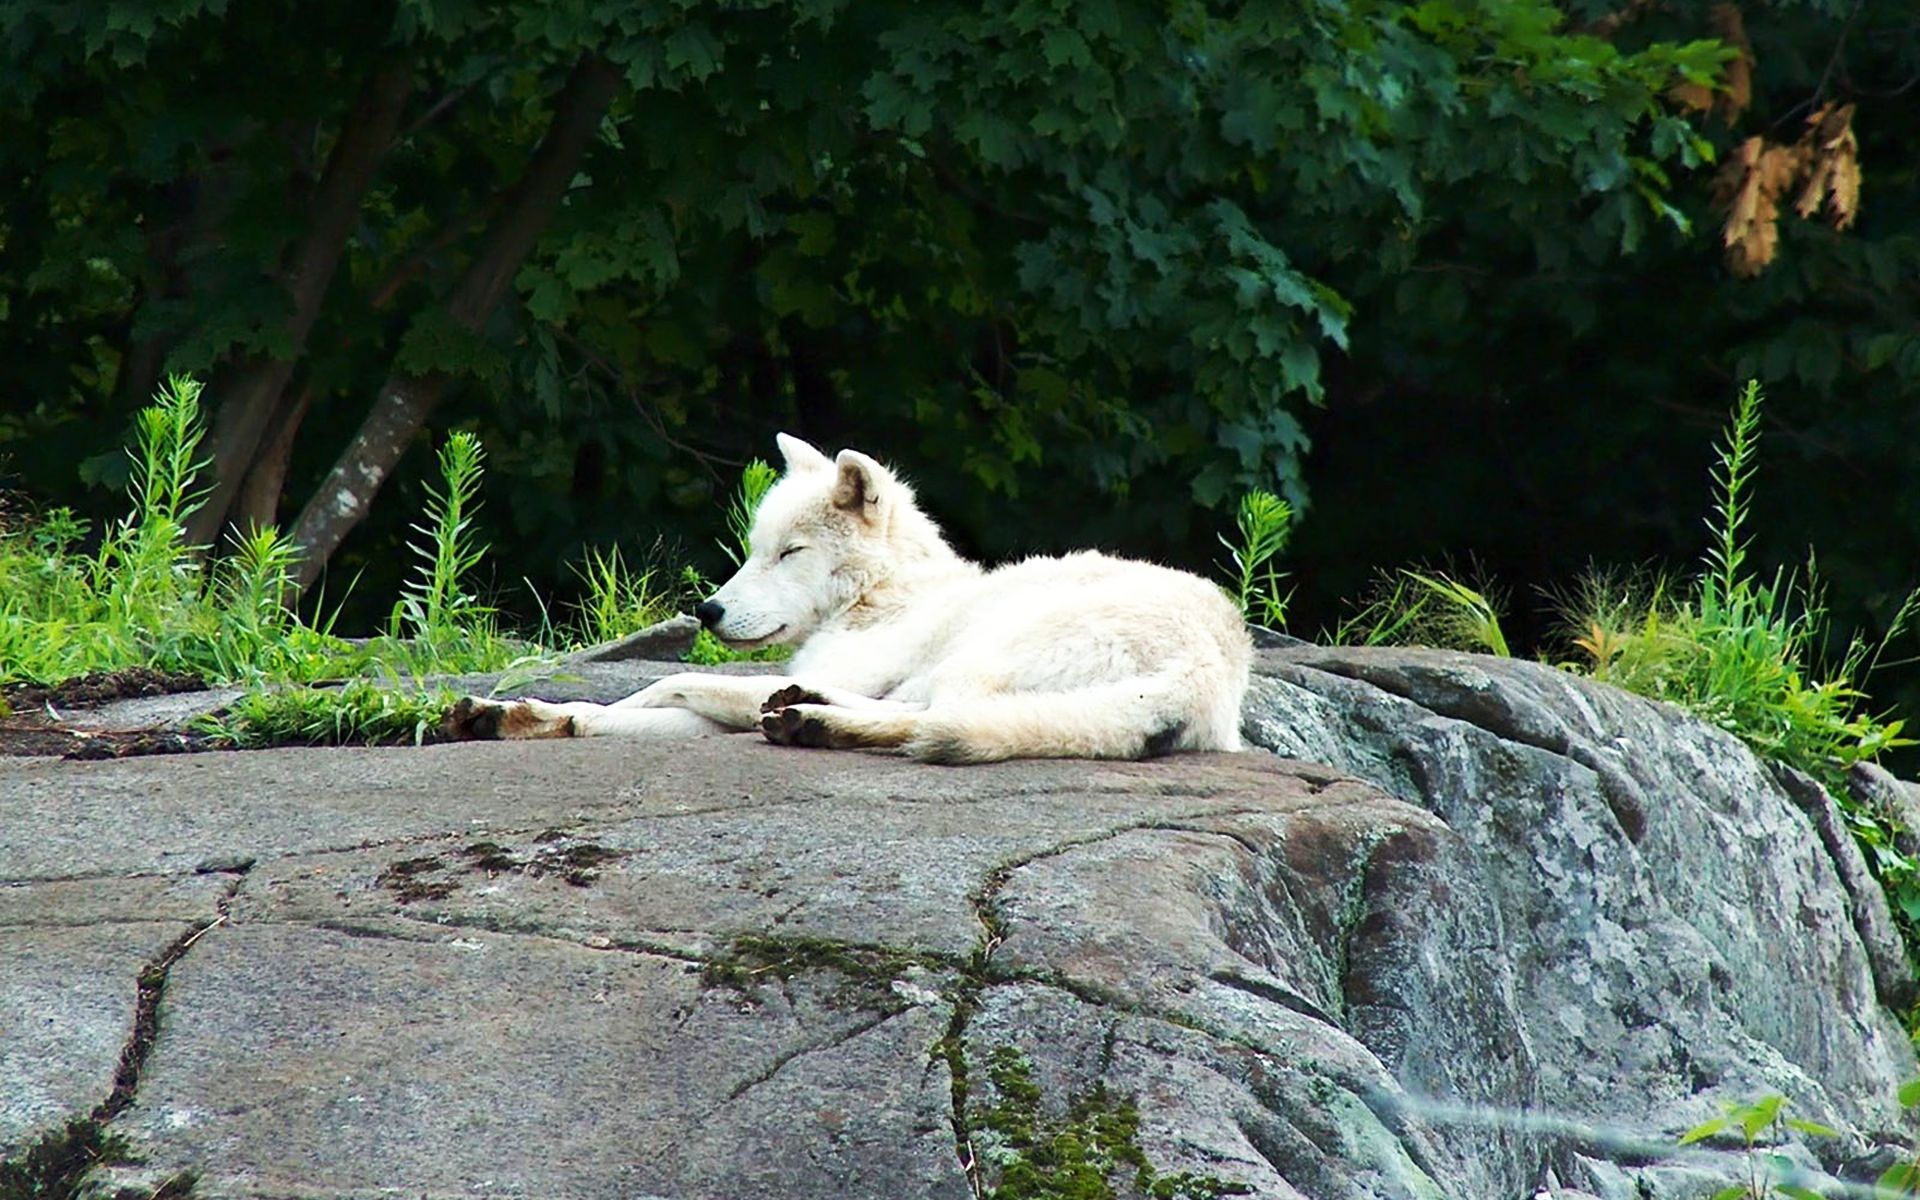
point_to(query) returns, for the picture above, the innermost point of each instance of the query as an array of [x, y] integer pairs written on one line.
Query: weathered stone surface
[[462, 1062], [66, 1004], [1679, 931], [71, 953], [1518, 932]]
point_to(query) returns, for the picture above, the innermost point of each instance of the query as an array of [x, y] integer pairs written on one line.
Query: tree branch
[[250, 394], [404, 402]]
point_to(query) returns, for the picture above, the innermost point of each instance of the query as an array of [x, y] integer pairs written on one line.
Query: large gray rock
[[1682, 932], [1517, 932]]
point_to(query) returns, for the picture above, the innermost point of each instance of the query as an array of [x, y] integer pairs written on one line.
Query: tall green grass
[[617, 599], [1427, 607], [1748, 652], [146, 598]]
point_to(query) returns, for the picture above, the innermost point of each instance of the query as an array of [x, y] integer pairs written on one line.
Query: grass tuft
[[618, 599], [1427, 607], [1741, 650], [359, 712]]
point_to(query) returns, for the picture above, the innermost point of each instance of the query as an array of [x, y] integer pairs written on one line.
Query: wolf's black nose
[[709, 613]]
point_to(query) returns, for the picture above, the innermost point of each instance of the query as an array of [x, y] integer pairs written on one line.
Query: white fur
[[905, 645]]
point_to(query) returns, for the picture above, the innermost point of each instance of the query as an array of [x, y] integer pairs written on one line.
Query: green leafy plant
[[360, 711], [1762, 1125], [1741, 650], [1902, 1180], [145, 597], [1264, 521], [435, 605]]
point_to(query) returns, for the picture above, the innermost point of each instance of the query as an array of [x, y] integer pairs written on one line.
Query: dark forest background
[[1467, 280]]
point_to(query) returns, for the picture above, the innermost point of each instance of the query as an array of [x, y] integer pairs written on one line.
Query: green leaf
[[435, 342], [692, 50], [1901, 1178], [1063, 46], [1757, 1116], [1704, 1130], [1813, 1128], [1883, 349], [1910, 1093]]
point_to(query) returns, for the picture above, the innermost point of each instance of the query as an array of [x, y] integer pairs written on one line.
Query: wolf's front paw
[[797, 725], [475, 719], [788, 696]]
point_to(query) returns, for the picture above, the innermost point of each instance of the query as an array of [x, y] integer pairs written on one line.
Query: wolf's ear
[[800, 455], [857, 490]]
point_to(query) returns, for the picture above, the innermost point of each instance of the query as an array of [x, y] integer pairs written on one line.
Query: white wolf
[[903, 645]]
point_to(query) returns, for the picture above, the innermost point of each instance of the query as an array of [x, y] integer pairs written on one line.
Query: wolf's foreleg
[[737, 701], [473, 717], [732, 700]]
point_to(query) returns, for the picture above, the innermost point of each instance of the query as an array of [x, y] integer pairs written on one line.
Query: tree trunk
[[404, 402], [251, 393], [258, 501]]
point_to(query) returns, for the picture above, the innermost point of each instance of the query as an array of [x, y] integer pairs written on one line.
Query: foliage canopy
[[1112, 242]]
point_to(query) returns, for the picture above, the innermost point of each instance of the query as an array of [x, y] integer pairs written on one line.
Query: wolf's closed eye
[[790, 551]]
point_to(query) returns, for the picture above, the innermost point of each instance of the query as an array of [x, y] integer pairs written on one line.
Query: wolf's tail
[[1138, 718]]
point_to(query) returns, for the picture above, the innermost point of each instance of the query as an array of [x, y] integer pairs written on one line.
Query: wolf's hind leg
[[831, 727], [473, 717], [1132, 719], [807, 693]]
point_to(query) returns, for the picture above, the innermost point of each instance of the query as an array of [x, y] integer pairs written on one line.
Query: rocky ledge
[[1472, 929]]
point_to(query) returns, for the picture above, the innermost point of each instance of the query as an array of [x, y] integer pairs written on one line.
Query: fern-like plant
[[435, 606], [1264, 522]]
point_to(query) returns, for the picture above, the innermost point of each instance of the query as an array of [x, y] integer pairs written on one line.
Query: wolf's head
[[826, 536]]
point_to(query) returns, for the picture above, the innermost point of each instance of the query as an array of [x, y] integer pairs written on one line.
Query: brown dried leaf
[[1750, 185], [1833, 175], [1829, 126], [1844, 189], [1815, 192], [1737, 190], [1737, 91], [1693, 97]]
